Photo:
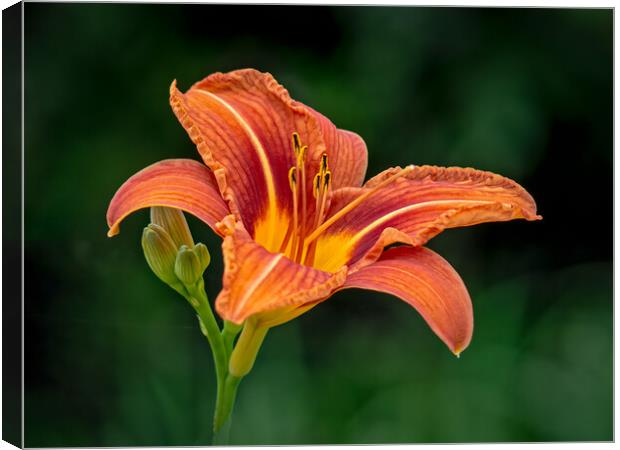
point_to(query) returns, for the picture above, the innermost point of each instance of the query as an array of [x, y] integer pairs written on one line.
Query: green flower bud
[[160, 253], [202, 252], [187, 266], [173, 221]]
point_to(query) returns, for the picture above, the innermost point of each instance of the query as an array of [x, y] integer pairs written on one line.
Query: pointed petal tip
[[428, 283], [458, 349], [173, 86], [113, 231], [532, 217]]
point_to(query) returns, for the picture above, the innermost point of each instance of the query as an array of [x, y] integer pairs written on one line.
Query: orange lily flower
[[284, 188]]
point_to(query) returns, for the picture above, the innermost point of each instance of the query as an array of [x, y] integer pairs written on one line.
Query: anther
[[292, 178], [326, 179], [296, 143], [316, 185], [324, 166]]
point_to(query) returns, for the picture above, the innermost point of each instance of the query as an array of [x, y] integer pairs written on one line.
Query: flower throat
[[299, 243]]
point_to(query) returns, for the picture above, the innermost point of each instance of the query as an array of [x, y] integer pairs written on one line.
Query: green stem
[[226, 387], [223, 410], [229, 333], [230, 364], [220, 357]]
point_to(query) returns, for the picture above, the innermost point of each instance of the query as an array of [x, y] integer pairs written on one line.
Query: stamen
[[322, 200], [321, 184], [320, 191], [285, 241], [297, 182], [301, 160], [292, 178]]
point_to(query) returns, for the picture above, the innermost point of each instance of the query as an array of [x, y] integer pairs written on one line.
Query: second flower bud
[[171, 253], [191, 263]]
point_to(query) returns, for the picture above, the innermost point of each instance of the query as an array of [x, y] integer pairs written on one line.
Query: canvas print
[[301, 225]]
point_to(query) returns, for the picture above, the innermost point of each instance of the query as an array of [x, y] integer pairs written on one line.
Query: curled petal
[[242, 123], [257, 281], [175, 183], [427, 282], [413, 205]]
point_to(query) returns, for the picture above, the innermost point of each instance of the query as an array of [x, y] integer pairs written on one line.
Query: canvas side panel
[[12, 225]]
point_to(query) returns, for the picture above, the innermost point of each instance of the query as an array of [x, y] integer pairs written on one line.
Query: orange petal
[[347, 153], [412, 209], [427, 282], [175, 183], [258, 281]]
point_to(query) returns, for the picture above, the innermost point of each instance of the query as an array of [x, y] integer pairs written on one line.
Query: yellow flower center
[[302, 238]]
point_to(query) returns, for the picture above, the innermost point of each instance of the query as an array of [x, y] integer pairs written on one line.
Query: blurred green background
[[114, 357]]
